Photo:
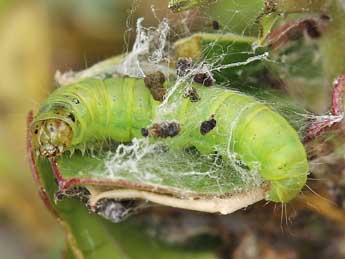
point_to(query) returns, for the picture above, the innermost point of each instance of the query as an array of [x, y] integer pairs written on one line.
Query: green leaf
[[90, 236], [238, 16], [266, 23], [333, 35], [234, 59], [171, 178], [167, 170]]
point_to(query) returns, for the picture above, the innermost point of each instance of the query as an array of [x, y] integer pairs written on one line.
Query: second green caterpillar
[[235, 125]]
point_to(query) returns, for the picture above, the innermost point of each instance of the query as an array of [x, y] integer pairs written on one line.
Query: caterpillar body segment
[[120, 108], [92, 111], [246, 130]]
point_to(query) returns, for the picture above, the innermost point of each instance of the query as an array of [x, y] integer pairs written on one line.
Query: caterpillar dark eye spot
[[36, 131], [207, 126], [71, 116], [75, 101], [205, 79], [183, 66], [155, 83], [163, 130], [192, 94]]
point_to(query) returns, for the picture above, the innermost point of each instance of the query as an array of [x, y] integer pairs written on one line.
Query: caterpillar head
[[51, 130], [51, 137]]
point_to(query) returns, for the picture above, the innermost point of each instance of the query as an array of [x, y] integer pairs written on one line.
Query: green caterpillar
[[235, 125]]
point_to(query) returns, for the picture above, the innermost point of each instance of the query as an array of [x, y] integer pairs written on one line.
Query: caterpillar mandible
[[119, 108]]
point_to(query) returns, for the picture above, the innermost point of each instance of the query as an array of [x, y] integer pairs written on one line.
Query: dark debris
[[162, 130], [155, 83], [207, 126]]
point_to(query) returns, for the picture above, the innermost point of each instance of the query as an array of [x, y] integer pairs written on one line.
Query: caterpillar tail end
[[285, 190], [50, 137]]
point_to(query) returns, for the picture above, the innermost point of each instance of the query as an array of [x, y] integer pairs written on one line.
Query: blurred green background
[[36, 39]]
